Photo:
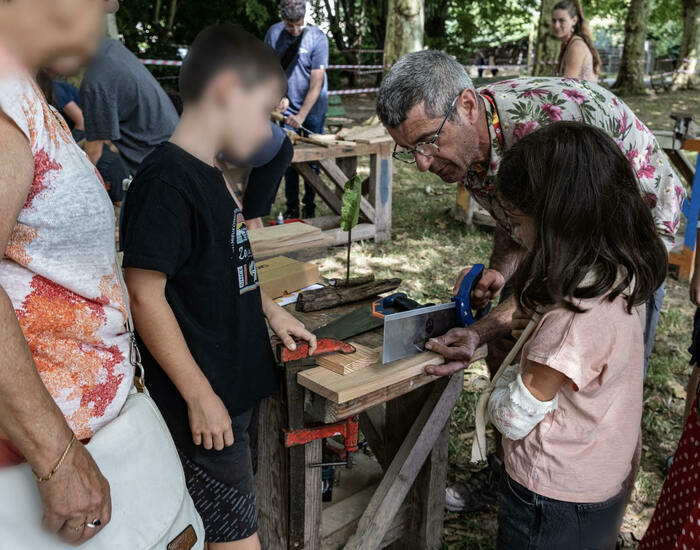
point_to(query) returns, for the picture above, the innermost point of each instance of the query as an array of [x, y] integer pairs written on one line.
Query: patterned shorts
[[222, 486]]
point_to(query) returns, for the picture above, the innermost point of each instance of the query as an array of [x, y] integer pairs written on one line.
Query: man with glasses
[[442, 124], [303, 52]]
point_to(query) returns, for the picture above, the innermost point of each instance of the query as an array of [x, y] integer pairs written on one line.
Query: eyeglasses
[[425, 148]]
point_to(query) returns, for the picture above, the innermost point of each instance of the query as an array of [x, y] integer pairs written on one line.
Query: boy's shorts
[[222, 484]]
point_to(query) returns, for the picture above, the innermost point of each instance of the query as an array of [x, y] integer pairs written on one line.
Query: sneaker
[[478, 492], [291, 214], [309, 212]]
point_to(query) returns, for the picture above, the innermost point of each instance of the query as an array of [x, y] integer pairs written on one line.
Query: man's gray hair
[[429, 76], [293, 10]]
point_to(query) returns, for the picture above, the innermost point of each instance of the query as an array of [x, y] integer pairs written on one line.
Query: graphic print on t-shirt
[[243, 255]]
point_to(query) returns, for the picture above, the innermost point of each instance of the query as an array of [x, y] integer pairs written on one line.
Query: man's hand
[[695, 288], [521, 319], [486, 289], [287, 327], [209, 421], [77, 494], [295, 121], [457, 347]]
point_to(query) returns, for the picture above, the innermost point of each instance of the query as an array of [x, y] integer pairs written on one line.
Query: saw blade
[[405, 333]]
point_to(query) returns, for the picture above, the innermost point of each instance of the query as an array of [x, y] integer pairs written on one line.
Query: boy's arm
[[695, 280], [285, 325], [158, 328]]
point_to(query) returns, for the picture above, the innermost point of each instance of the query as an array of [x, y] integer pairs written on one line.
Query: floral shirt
[[524, 104], [59, 268]]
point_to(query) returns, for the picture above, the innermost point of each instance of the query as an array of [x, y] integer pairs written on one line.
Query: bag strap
[[479, 441], [134, 353], [291, 52]]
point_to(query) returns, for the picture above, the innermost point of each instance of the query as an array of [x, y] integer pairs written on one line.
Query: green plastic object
[[350, 212]]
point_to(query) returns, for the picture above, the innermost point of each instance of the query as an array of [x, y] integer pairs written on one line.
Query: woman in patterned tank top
[[578, 57]]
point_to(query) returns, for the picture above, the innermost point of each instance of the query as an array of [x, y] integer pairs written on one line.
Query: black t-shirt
[[180, 219]]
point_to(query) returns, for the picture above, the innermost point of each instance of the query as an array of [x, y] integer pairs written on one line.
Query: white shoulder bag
[[151, 508]]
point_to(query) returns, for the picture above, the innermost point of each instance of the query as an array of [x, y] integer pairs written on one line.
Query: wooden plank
[[325, 192], [375, 131], [372, 426], [410, 458], [340, 520], [282, 233], [306, 152], [324, 222], [339, 178], [272, 489], [361, 232], [339, 388], [324, 410], [329, 297], [380, 184], [347, 363]]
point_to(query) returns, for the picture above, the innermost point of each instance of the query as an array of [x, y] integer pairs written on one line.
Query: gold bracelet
[[42, 479]]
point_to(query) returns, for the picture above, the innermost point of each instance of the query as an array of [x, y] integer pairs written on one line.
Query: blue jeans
[[291, 177], [528, 521], [653, 308]]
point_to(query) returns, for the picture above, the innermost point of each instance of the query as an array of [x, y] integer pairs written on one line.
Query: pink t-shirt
[[583, 451]]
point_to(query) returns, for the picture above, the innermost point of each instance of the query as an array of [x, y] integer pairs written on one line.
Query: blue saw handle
[[462, 301]]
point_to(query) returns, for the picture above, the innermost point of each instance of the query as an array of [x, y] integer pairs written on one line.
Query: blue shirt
[[65, 93], [313, 54]]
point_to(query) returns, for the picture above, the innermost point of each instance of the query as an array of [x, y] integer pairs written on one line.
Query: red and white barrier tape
[[355, 91], [161, 62]]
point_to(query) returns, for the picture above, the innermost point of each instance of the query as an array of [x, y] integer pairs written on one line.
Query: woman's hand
[[77, 494], [209, 420], [695, 288], [287, 328]]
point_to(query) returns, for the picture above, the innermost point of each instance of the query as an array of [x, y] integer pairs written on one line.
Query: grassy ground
[[429, 248]]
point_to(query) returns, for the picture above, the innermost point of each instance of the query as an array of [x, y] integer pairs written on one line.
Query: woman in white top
[[578, 58]]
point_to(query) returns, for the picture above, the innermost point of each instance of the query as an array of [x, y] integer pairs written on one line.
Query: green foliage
[[350, 212]]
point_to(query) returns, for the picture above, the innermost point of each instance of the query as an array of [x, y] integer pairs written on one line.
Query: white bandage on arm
[[513, 409]]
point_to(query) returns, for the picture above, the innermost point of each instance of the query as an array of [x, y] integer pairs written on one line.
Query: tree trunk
[[685, 75], [630, 77], [546, 46], [156, 18], [171, 16], [404, 29]]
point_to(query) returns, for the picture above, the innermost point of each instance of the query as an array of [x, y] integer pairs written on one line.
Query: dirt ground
[[429, 248]]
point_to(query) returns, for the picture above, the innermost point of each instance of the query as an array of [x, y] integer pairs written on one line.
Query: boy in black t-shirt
[[198, 309]]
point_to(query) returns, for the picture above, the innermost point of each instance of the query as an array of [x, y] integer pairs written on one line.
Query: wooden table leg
[[380, 189], [426, 431]]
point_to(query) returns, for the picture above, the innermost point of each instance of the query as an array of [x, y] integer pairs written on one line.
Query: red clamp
[[324, 346], [349, 429]]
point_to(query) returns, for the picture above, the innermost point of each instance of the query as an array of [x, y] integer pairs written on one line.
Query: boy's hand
[[286, 327], [209, 421]]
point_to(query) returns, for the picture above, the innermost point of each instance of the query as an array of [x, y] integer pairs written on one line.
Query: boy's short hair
[[224, 47]]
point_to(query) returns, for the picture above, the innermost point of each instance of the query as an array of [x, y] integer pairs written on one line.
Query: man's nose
[[422, 162]]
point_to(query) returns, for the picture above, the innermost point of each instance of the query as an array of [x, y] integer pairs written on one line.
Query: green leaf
[[350, 213]]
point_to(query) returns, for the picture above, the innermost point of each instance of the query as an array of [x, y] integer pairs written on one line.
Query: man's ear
[[468, 106], [221, 85]]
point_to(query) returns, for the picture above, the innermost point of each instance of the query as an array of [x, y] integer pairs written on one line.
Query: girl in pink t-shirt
[[570, 411]]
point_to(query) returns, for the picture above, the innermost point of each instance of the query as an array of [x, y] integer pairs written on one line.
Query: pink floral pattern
[[525, 104]]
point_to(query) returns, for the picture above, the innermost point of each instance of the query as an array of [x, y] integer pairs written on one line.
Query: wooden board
[[279, 239], [339, 389], [347, 363], [361, 133]]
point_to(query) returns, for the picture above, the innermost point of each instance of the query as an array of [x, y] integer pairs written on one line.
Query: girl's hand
[[695, 288], [286, 327], [520, 321], [209, 421]]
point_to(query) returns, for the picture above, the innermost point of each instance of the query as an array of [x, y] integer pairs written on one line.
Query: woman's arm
[[75, 113], [158, 328], [575, 57], [29, 417], [285, 325]]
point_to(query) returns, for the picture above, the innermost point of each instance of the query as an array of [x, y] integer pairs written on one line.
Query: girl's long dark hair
[[590, 217], [581, 29]]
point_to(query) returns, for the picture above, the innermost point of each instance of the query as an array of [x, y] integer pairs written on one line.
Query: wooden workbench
[[339, 162], [407, 428]]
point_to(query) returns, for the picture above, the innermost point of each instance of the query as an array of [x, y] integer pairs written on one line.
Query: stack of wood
[[375, 133], [323, 140], [288, 237]]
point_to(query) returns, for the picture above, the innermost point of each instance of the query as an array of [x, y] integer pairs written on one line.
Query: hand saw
[[406, 333]]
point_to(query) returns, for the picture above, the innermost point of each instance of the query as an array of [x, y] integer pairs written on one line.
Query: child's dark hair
[[590, 217], [223, 47]]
